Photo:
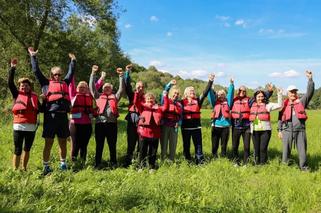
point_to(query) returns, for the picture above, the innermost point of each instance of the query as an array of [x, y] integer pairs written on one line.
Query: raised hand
[[32, 52], [270, 87], [280, 90], [211, 77], [103, 75], [129, 67], [308, 74], [94, 69], [72, 56], [13, 62], [119, 71], [231, 80], [173, 82]]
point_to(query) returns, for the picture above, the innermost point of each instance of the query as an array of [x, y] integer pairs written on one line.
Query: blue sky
[[253, 41]]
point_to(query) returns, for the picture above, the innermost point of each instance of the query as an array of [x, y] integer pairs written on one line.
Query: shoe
[[63, 166], [151, 171], [47, 170], [305, 169]]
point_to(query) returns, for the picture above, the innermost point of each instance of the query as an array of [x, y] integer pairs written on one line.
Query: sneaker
[[47, 170], [63, 166]]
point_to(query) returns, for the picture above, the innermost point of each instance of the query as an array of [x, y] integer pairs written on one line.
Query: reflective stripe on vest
[[57, 90]]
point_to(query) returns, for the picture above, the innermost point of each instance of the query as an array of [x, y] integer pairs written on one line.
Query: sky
[[252, 41]]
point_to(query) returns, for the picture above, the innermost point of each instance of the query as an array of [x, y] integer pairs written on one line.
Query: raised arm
[[92, 86], [121, 84], [72, 88], [305, 99], [166, 89], [11, 85], [101, 80], [267, 94], [165, 100], [275, 106], [71, 68], [35, 68], [211, 97], [230, 93], [128, 86], [207, 89]]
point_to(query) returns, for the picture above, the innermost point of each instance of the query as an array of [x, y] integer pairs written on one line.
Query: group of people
[[148, 123]]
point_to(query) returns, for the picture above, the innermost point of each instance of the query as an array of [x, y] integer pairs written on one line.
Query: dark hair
[[258, 92]]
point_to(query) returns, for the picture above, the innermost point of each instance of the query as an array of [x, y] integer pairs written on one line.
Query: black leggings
[[148, 146], [261, 141], [236, 136], [217, 135], [81, 135], [109, 131], [19, 137], [132, 140], [196, 135]]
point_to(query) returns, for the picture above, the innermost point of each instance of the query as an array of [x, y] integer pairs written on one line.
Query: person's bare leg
[[47, 149], [16, 161], [25, 160]]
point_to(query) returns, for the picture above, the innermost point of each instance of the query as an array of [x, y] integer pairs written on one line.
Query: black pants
[[217, 135], [236, 136], [109, 131], [19, 137], [132, 140], [148, 146], [196, 135], [261, 141], [81, 135]]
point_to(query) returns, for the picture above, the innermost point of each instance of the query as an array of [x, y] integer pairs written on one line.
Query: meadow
[[216, 186]]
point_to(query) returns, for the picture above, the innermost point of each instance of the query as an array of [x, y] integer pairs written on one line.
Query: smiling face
[[82, 87], [25, 87], [189, 92], [56, 73], [150, 99], [242, 92], [260, 97], [221, 96], [293, 95], [107, 88], [140, 87]]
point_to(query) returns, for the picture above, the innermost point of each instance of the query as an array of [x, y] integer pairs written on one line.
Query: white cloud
[[154, 19], [241, 23], [219, 74], [226, 24], [127, 26], [169, 34], [287, 74], [155, 63], [222, 18], [279, 33], [198, 74]]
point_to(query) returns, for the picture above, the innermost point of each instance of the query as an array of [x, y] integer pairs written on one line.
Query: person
[[82, 119], [25, 110], [191, 122], [291, 125], [106, 121], [221, 118], [132, 116], [261, 125], [240, 121], [149, 127], [57, 106], [170, 122], [82, 111]]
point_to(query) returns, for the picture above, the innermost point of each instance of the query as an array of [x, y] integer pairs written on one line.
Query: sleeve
[[305, 99], [11, 85], [128, 87], [230, 95], [99, 83], [275, 106], [121, 88], [211, 97], [166, 89], [166, 102], [92, 87], [205, 92], [137, 102], [72, 88], [71, 71], [36, 70]]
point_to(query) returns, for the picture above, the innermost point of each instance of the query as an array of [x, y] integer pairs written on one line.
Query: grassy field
[[217, 186]]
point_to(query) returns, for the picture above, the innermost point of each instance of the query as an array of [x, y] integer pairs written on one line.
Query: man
[[292, 119]]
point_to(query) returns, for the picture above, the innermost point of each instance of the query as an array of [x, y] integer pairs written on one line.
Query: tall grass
[[216, 186]]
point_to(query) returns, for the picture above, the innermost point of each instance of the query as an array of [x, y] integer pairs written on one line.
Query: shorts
[[55, 123]]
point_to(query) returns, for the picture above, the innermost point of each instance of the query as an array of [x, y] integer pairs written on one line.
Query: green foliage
[[217, 186]]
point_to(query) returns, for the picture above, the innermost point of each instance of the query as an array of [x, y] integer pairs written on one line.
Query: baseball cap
[[291, 88]]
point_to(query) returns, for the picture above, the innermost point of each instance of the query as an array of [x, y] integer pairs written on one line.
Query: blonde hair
[[149, 95], [137, 84], [187, 91], [55, 68], [173, 90], [222, 92], [108, 85], [84, 83], [25, 80]]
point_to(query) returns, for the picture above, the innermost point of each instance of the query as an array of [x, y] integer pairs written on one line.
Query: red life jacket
[[174, 111], [241, 108], [112, 101], [298, 109], [83, 103], [191, 110], [221, 108], [259, 111], [148, 113], [133, 108], [25, 108], [57, 90]]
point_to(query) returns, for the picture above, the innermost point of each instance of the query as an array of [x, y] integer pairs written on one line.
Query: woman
[[106, 121], [261, 124], [170, 122], [191, 123], [221, 118], [25, 110]]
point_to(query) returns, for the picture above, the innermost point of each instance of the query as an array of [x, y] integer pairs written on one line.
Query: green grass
[[217, 186]]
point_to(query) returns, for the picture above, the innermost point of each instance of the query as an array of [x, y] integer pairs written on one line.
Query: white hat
[[291, 88]]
